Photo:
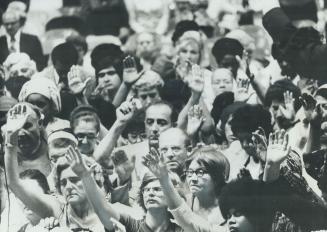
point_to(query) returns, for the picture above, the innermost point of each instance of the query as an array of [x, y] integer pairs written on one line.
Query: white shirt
[[16, 43]]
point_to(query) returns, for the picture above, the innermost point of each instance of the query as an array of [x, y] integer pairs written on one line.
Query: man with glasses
[[85, 124]]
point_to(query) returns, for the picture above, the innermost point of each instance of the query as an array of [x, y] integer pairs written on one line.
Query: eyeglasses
[[154, 189], [198, 172], [109, 73], [81, 136], [150, 95]]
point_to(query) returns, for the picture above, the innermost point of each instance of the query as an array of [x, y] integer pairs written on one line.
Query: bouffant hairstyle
[[250, 198]]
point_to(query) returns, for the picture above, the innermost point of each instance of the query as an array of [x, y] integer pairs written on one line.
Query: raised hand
[[278, 148], [242, 91], [260, 143], [196, 82], [195, 120], [123, 165], [75, 80], [49, 223], [288, 111], [130, 74], [77, 163], [128, 109], [17, 117], [183, 68], [309, 106], [154, 161]]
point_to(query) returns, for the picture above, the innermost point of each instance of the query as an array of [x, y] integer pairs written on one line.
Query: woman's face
[[153, 196], [237, 222], [190, 52], [199, 180], [222, 81]]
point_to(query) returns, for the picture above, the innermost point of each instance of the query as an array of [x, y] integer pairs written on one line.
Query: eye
[[176, 149], [149, 121], [63, 182], [162, 122], [163, 150]]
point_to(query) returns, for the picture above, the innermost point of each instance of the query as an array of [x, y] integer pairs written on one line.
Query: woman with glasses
[[151, 199], [206, 173]]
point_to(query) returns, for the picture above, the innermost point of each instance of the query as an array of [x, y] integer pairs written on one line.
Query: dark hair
[[251, 199], [103, 50], [78, 40], [35, 174], [248, 118], [107, 62], [65, 53], [277, 90], [322, 92], [182, 27], [226, 46], [173, 116], [215, 163], [221, 101], [15, 84], [84, 112]]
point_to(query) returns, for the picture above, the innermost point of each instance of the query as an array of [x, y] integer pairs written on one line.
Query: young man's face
[[86, 133], [281, 121], [153, 195], [238, 222], [322, 104], [109, 79], [148, 96], [157, 119]]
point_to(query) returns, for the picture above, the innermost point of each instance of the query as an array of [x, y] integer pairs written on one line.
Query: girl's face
[[190, 52], [199, 180], [237, 222], [222, 81]]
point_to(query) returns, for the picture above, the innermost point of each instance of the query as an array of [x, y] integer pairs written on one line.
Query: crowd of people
[[163, 116]]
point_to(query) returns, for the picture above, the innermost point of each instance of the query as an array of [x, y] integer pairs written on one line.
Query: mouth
[[233, 229], [151, 201], [25, 141]]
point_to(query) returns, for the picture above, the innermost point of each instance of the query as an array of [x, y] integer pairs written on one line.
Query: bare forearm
[[271, 172], [174, 200], [99, 203], [182, 117], [121, 95], [108, 143]]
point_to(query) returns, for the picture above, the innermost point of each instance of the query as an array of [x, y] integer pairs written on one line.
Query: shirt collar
[[17, 36]]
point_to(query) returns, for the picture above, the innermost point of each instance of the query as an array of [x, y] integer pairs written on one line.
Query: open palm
[[278, 148]]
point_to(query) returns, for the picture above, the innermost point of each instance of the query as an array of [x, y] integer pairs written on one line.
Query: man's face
[[29, 137], [86, 133], [72, 187], [11, 23], [281, 122], [43, 103], [58, 148], [62, 70], [148, 96], [157, 119], [172, 148], [153, 195], [109, 79]]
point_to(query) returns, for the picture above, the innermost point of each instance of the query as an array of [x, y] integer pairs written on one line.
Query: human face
[[86, 133], [172, 148], [62, 71], [43, 103], [228, 131], [190, 52], [237, 222], [281, 122], [109, 79], [145, 42], [322, 104], [199, 180], [153, 196], [222, 81], [72, 188], [22, 69], [11, 23], [58, 148], [29, 137], [148, 96], [157, 119]]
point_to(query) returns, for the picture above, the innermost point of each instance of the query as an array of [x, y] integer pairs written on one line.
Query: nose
[[84, 140], [169, 154], [148, 100], [155, 129], [193, 178], [231, 220]]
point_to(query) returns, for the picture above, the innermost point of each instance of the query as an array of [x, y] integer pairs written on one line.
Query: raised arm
[[95, 195], [277, 152], [124, 114], [42, 204]]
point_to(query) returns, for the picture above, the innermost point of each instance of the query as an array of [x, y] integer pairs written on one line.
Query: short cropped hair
[[86, 113], [38, 176]]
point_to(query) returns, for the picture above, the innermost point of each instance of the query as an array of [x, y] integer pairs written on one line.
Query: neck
[[157, 219], [207, 201], [81, 210]]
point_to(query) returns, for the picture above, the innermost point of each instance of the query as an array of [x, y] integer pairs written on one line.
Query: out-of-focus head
[[206, 171], [173, 145], [19, 64], [182, 27], [222, 81], [80, 45], [85, 124], [158, 117], [189, 49], [44, 94], [11, 20], [147, 45], [147, 88]]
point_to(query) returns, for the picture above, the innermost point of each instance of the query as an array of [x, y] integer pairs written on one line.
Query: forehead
[[190, 45], [195, 165], [222, 74], [171, 139], [85, 126], [154, 183], [145, 37], [10, 18], [67, 173], [147, 91], [37, 97], [110, 68], [158, 112]]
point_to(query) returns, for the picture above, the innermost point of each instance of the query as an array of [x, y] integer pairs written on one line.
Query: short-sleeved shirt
[[133, 225]]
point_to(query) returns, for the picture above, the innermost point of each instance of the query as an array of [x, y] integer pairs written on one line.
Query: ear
[[41, 120]]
